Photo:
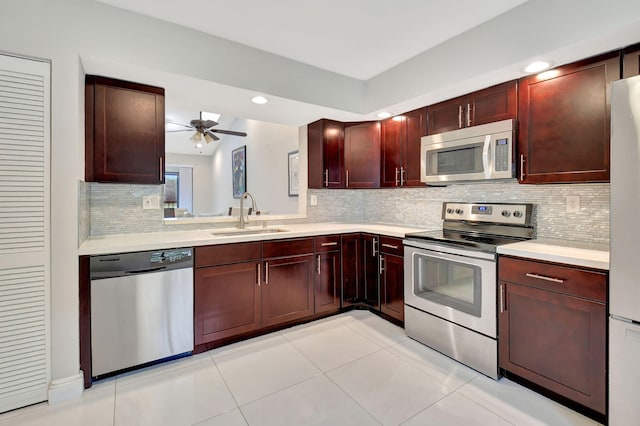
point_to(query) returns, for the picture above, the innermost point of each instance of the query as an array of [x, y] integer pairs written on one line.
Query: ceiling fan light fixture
[[197, 136], [208, 138], [260, 100]]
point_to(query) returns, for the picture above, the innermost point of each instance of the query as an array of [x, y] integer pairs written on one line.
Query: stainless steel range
[[450, 280]]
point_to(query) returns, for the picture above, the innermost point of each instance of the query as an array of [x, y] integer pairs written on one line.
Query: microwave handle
[[485, 156]]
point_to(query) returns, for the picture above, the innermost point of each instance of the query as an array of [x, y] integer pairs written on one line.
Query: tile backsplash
[[107, 209]]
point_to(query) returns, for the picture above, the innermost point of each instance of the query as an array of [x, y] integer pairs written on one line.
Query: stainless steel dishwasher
[[141, 308]]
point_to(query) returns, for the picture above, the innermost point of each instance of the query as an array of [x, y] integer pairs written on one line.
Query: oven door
[[454, 284]]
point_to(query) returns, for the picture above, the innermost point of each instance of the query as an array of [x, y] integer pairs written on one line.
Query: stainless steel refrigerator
[[624, 278]]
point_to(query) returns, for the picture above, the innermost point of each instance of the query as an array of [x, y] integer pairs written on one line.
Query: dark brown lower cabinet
[[351, 256], [287, 289], [552, 328], [327, 274], [371, 270], [392, 277], [227, 301]]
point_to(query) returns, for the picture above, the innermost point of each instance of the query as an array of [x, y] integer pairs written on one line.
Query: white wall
[[202, 179], [267, 166]]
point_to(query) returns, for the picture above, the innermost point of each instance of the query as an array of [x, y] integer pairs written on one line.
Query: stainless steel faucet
[[242, 221]]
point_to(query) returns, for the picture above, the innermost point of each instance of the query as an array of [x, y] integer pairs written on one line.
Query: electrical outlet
[[150, 202], [314, 200], [573, 203]]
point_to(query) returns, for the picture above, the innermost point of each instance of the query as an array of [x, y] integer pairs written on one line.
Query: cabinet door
[[392, 139], [327, 282], [445, 116], [124, 132], [416, 128], [227, 301], [287, 289], [631, 61], [564, 122], [392, 286], [371, 270], [556, 341], [362, 155], [492, 104], [352, 282], [326, 154]]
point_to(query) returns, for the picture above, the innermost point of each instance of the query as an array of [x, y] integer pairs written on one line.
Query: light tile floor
[[350, 369]]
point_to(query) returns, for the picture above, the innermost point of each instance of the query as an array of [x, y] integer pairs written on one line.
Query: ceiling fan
[[204, 129]]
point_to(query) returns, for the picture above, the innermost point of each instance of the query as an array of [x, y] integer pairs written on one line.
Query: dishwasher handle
[[145, 271]]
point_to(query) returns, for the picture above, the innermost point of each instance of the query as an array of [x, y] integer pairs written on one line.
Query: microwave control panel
[[502, 155]]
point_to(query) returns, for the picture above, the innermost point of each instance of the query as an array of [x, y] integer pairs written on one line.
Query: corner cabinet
[[564, 122], [362, 155], [400, 149], [124, 131], [351, 257], [552, 328], [326, 154], [495, 103]]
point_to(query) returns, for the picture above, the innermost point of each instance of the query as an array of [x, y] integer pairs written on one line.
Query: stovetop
[[481, 226]]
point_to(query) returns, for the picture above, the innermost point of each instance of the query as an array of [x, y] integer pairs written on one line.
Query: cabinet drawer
[[327, 243], [554, 277], [389, 245], [227, 253], [282, 248]]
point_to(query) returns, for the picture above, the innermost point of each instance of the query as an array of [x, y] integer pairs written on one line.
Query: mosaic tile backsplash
[[116, 208]]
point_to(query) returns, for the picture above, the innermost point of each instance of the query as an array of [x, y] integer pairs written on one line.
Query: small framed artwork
[[239, 171], [294, 173]]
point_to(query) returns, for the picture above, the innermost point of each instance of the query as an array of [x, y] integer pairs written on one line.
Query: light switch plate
[[313, 200], [573, 203], [150, 202]]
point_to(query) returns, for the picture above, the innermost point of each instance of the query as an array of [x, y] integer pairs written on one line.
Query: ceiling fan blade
[[214, 137], [178, 124], [228, 132], [209, 123], [190, 129]]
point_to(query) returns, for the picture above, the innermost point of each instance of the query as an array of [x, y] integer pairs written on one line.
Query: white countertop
[[173, 239], [561, 251]]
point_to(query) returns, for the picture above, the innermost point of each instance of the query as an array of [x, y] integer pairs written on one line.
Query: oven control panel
[[500, 213]]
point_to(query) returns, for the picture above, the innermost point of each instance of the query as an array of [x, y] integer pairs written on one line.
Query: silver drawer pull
[[335, 243], [391, 246], [542, 277]]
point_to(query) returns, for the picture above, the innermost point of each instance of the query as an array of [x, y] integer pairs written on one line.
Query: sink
[[249, 231]]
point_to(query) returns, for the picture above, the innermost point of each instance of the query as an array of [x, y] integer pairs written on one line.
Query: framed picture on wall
[[239, 171], [294, 169]]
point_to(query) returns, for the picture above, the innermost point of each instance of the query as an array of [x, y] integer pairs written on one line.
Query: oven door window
[[449, 283]]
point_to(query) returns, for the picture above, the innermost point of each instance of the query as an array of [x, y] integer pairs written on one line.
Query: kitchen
[[80, 33]]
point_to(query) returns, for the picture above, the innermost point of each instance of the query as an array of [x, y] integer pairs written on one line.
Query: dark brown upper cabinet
[[124, 131], [631, 61], [326, 154], [494, 103], [564, 122], [400, 148], [362, 154]]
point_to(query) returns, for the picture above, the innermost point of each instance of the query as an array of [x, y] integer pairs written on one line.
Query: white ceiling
[[356, 38]]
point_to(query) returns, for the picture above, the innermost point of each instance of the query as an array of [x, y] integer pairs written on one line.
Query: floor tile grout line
[[235, 401], [353, 399], [486, 408]]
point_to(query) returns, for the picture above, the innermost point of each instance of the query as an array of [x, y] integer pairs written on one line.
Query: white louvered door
[[24, 231]]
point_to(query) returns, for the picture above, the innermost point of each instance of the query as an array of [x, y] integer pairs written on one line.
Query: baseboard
[[66, 388]]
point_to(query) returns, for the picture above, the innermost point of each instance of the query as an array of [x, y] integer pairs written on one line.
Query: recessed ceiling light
[[384, 114], [398, 118], [260, 100], [537, 66]]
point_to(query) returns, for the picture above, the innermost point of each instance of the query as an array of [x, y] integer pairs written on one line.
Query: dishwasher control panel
[[122, 264]]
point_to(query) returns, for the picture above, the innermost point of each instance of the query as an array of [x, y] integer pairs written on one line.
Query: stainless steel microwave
[[474, 153]]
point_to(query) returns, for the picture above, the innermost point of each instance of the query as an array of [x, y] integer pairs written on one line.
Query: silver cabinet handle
[[397, 176], [334, 243], [347, 178], [374, 247], [381, 263], [161, 172], [318, 265], [468, 115], [501, 298], [542, 277], [259, 274], [391, 246], [521, 167], [326, 177], [402, 172], [266, 272], [459, 116]]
